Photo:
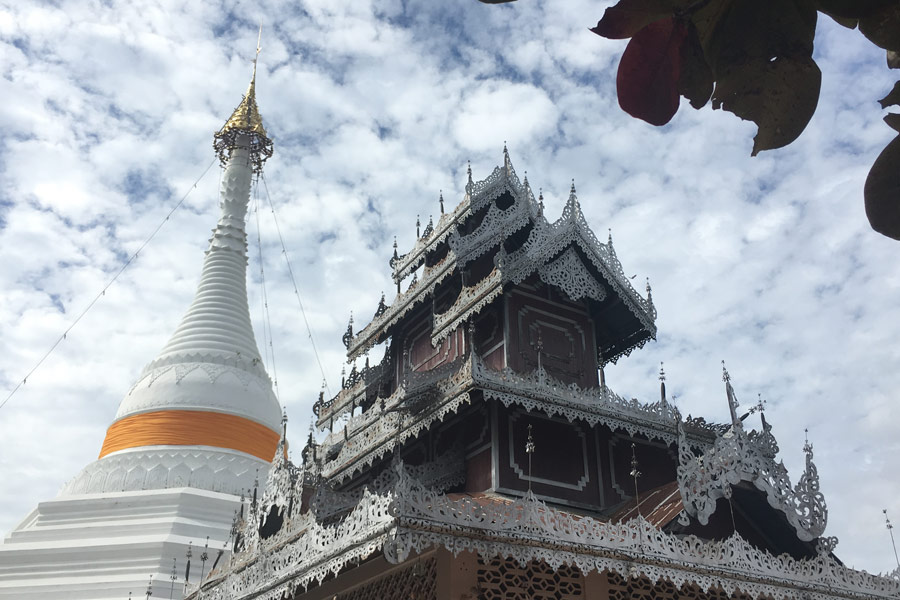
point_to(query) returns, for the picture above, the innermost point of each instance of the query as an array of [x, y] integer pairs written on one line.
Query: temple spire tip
[[245, 126]]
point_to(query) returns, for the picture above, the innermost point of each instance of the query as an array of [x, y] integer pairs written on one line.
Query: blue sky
[[375, 107]]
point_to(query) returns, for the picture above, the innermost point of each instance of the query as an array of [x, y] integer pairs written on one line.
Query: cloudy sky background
[[374, 107]]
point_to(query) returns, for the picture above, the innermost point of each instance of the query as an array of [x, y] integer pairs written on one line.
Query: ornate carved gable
[[498, 236]]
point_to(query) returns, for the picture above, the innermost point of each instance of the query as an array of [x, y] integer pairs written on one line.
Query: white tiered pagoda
[[197, 429]]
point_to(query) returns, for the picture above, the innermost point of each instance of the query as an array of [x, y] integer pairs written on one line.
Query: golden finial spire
[[246, 121]]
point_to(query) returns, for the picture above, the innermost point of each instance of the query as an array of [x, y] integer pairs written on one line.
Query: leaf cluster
[[752, 58]]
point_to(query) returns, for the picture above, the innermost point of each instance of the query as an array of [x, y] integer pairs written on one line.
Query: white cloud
[[521, 113]]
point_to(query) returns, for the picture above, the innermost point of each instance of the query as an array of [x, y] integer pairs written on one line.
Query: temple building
[[196, 430], [479, 455], [485, 457]]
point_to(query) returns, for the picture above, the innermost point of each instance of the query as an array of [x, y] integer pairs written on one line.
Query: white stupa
[[196, 430]]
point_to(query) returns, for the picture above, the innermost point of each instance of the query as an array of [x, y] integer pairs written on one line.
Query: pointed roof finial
[[649, 292], [760, 404], [284, 422], [572, 209], [418, 227], [540, 201], [469, 171], [348, 335], [245, 126], [729, 393], [382, 307], [662, 383], [890, 528], [441, 200], [395, 247]]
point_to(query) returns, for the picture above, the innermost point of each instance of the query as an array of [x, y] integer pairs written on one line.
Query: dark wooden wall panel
[[564, 329], [564, 464], [478, 472]]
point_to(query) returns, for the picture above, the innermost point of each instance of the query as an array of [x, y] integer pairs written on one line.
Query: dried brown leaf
[[883, 27], [893, 121], [755, 30], [850, 9], [892, 98], [882, 191], [893, 59], [628, 17], [780, 96]]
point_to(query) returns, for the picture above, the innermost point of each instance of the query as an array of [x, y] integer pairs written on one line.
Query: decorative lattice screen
[[505, 579], [642, 588], [415, 582]]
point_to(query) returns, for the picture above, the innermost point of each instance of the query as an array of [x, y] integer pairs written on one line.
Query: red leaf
[[647, 80]]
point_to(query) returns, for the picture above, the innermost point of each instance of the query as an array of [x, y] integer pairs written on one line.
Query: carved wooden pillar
[[457, 577]]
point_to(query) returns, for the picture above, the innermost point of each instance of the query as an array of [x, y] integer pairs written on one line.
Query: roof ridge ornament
[[245, 126], [733, 403], [609, 244]]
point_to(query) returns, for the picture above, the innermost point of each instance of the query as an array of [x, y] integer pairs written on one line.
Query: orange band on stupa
[[191, 428]]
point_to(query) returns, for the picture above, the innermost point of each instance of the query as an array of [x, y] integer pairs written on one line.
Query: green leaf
[[882, 192], [706, 21], [779, 95], [696, 80]]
